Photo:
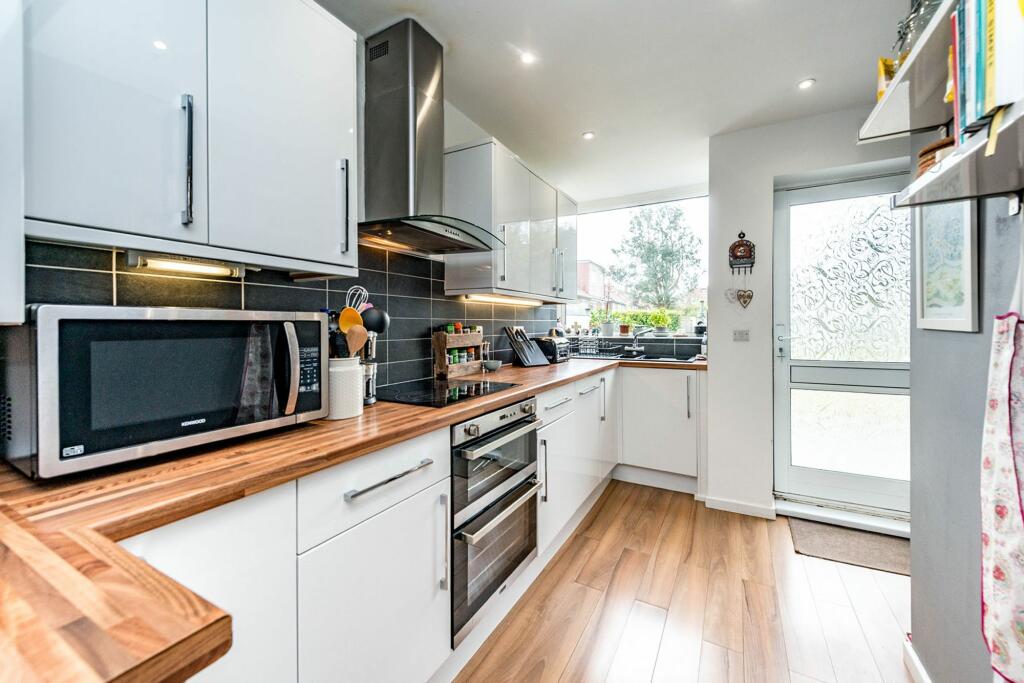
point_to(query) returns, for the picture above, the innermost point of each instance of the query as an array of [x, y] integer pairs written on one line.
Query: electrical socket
[[741, 335]]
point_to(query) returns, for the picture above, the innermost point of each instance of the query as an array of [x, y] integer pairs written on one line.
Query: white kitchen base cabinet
[[241, 557], [610, 428], [660, 419], [375, 601], [559, 468]]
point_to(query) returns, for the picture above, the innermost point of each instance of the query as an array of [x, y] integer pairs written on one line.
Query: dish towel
[[1002, 514]]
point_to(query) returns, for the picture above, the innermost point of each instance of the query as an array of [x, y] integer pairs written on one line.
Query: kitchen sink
[[660, 359]]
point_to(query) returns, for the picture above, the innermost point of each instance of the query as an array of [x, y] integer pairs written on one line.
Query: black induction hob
[[438, 393]]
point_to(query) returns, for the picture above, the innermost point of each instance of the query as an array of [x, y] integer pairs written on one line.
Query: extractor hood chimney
[[404, 138]]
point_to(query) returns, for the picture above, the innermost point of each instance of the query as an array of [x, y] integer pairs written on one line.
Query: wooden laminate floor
[[655, 586]]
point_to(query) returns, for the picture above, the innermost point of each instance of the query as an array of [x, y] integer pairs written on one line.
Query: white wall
[[743, 168], [459, 129], [12, 213]]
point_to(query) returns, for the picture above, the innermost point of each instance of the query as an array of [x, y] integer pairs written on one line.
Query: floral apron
[[1002, 514]]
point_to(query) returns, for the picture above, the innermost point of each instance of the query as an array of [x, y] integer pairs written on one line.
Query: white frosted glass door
[[842, 346]]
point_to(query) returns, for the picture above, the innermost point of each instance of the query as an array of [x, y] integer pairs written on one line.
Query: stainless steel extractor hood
[[404, 138]]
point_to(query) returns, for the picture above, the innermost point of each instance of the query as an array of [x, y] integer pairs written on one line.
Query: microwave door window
[[138, 381]]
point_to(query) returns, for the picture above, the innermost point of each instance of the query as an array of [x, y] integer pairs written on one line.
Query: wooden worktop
[[75, 606]]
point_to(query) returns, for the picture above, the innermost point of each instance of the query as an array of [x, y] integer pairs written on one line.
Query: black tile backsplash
[[410, 289]]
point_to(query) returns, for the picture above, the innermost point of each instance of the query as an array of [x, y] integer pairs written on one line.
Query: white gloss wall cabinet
[[115, 115], [12, 230], [219, 129], [544, 256], [282, 117], [566, 243], [241, 557], [375, 601], [486, 185], [660, 418]]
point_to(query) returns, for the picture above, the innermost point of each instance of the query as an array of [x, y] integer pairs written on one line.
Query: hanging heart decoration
[[744, 296], [730, 295]]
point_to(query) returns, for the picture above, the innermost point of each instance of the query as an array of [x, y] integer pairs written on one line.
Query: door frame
[[841, 490]]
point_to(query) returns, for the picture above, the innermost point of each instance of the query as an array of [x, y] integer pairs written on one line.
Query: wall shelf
[[913, 100], [968, 173]]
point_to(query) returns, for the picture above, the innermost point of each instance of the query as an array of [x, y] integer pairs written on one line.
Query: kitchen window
[[643, 265]]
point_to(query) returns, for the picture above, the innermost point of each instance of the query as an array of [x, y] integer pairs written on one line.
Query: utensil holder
[[346, 388]]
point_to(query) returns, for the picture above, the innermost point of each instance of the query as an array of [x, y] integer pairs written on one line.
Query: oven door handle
[[485, 448], [477, 537], [293, 359]]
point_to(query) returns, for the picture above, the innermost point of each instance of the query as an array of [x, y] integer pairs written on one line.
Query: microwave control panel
[[309, 369]]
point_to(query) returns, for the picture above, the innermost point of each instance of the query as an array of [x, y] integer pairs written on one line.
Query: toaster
[[556, 349]]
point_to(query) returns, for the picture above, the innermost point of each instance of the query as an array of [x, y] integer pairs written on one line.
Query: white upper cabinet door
[[115, 115], [659, 419], [282, 130], [372, 604], [512, 219], [566, 244], [544, 257]]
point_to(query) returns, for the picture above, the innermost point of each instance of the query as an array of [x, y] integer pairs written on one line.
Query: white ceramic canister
[[346, 388]]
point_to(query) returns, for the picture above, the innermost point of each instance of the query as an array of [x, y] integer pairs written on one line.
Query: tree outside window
[[643, 266]]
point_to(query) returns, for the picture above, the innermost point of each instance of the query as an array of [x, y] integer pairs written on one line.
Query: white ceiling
[[653, 78]]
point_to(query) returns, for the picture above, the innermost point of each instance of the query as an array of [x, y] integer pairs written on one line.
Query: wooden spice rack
[[444, 342]]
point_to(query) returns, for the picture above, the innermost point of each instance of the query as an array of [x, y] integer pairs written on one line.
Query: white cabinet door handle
[[604, 399], [447, 540], [343, 172], [688, 415], [186, 105], [544, 443]]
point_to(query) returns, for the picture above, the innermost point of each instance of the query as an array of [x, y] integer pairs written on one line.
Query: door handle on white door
[[780, 346]]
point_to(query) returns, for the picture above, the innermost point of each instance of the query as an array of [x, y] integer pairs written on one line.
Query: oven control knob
[[472, 430], [529, 408]]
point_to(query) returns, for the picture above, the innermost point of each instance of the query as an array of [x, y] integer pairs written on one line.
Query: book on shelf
[[988, 61], [1003, 55]]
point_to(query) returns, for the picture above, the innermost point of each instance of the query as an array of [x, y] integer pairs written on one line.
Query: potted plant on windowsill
[[659, 319]]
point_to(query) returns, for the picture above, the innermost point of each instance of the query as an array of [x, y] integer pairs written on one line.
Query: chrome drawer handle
[[485, 448], [593, 388], [355, 493], [477, 537], [560, 403]]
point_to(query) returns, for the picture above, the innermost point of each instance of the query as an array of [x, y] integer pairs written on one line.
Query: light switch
[[741, 335]]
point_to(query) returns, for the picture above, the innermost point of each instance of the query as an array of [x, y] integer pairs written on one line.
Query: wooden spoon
[[349, 317], [355, 338]]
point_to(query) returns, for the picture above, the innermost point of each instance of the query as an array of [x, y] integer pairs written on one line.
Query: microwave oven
[[89, 386]]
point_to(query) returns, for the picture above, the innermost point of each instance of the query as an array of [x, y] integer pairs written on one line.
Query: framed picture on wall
[[947, 266]]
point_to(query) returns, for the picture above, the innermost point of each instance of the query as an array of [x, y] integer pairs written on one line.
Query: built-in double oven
[[494, 507]]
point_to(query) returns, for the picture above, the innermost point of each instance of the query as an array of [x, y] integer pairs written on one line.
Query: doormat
[[851, 546]]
